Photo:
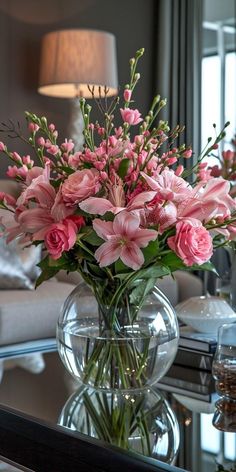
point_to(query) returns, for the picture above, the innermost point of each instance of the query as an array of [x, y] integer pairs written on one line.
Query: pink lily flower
[[99, 206], [169, 186], [209, 201], [38, 187], [123, 239]]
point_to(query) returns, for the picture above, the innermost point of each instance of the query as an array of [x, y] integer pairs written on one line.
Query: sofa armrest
[[189, 285], [73, 278]]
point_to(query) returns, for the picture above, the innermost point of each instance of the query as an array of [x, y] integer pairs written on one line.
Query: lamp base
[[76, 124]]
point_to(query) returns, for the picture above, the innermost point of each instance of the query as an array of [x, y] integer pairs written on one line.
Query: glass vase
[[117, 342], [141, 421]]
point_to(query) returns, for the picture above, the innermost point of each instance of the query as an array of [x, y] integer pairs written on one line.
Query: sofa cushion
[[26, 315], [18, 264]]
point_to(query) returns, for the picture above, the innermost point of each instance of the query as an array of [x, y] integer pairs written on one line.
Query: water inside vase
[[131, 359]]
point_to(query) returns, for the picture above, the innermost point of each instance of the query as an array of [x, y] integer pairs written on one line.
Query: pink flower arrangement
[[121, 204], [225, 168]]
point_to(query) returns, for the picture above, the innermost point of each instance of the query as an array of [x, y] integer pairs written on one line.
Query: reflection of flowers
[[142, 421]]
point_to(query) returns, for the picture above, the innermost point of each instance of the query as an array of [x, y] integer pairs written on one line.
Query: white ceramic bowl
[[205, 314]]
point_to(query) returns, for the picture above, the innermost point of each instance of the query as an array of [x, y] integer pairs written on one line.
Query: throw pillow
[[18, 265]]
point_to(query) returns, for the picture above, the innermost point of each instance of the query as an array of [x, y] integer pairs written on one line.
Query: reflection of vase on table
[[141, 421]]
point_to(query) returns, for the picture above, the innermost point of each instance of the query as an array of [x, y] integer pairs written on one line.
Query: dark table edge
[[43, 447]]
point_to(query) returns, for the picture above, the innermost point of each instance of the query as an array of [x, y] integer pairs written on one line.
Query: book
[[197, 341], [194, 359], [189, 382]]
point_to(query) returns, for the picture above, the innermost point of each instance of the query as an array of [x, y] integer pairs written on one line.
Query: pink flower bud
[[228, 155], [101, 131], [99, 165], [179, 170], [171, 160], [103, 175], [33, 128], [13, 172], [215, 146], [118, 131], [41, 141], [133, 176], [51, 127], [16, 157], [215, 171], [112, 141], [202, 165], [187, 154], [27, 161], [67, 146], [138, 139], [2, 146], [7, 199], [127, 95]]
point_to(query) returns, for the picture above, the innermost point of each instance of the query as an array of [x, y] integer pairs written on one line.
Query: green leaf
[[123, 168], [91, 237], [151, 251], [121, 268], [139, 293], [61, 262], [46, 275], [109, 216], [47, 271], [95, 270], [154, 271], [174, 262], [67, 170], [207, 266]]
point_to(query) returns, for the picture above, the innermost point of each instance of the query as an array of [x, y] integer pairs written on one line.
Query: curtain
[[177, 65]]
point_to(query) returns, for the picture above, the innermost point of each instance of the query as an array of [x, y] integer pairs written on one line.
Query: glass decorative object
[[117, 343], [224, 417], [224, 362], [141, 421]]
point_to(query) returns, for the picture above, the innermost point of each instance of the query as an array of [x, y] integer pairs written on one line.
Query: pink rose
[[60, 237], [80, 185], [192, 242], [132, 117]]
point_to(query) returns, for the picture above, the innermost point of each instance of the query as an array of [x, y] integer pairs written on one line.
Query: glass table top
[[177, 421]]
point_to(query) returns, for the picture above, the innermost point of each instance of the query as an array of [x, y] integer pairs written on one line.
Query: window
[[218, 82]]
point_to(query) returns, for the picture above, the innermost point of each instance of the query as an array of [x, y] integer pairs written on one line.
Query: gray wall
[[24, 22]]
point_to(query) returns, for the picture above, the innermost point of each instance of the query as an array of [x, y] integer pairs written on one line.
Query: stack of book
[[195, 350], [192, 383]]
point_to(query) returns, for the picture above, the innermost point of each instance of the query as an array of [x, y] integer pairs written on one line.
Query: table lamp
[[71, 60]]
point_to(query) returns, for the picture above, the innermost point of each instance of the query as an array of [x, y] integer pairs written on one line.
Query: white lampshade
[[75, 58]]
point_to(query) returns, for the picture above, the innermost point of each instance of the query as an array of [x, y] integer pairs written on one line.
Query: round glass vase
[[121, 346]]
